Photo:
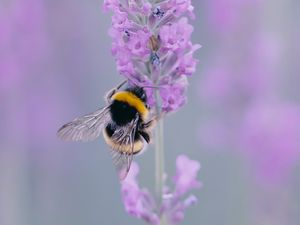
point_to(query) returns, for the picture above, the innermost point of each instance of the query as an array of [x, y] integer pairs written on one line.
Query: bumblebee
[[123, 122]]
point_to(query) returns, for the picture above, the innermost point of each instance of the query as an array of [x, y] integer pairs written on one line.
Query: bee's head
[[139, 92]]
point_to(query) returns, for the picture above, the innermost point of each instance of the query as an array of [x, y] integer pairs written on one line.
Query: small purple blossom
[[139, 202], [151, 45], [179, 7], [176, 37], [174, 208], [186, 174], [173, 94], [110, 4]]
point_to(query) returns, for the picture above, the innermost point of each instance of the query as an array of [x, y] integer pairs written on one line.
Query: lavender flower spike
[[152, 46], [140, 203], [151, 43]]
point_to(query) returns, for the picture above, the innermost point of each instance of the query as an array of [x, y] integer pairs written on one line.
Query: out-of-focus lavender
[[32, 103], [23, 49], [270, 138], [245, 92], [18, 56], [223, 16], [152, 46], [240, 90], [140, 203]]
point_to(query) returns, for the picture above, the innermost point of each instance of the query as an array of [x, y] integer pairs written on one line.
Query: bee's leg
[[145, 135], [113, 91], [145, 128], [151, 123]]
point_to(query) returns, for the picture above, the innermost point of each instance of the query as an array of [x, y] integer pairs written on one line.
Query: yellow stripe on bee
[[132, 100]]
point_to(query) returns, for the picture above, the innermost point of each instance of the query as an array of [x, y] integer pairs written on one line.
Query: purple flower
[[176, 37], [174, 208], [23, 41], [138, 202], [179, 7], [224, 15], [110, 5], [173, 94], [175, 204], [152, 46], [187, 64], [138, 43], [270, 137], [186, 175], [238, 87]]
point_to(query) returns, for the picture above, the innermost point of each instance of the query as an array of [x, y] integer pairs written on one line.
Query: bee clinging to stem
[[124, 123]]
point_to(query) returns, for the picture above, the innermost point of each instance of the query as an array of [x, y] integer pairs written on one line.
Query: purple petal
[[138, 202], [186, 175]]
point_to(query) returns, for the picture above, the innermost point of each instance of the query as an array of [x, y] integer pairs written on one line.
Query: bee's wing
[[85, 128], [124, 136]]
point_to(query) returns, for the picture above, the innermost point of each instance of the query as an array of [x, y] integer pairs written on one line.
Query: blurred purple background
[[242, 121]]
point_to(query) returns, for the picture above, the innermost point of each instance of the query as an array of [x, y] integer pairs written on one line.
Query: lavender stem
[[159, 159]]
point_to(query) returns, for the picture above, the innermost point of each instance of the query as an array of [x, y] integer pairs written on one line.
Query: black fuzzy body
[[122, 114]]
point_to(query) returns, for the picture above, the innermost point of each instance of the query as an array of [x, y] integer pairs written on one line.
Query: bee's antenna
[[120, 85], [152, 87], [143, 86]]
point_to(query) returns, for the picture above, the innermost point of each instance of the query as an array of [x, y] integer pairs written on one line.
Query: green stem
[[159, 160]]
